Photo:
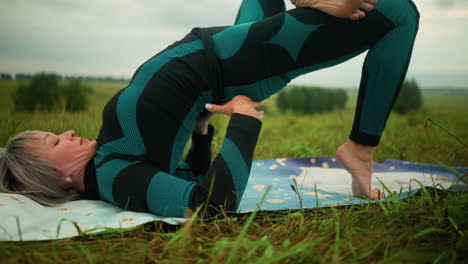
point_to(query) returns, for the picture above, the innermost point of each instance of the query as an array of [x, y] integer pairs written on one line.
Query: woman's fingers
[[239, 104], [227, 110], [218, 109], [261, 114], [257, 104], [228, 107], [256, 114]]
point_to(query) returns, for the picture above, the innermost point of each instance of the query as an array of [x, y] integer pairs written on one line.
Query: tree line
[[46, 92], [311, 100], [29, 76]]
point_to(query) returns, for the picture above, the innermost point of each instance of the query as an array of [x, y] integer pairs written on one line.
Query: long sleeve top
[[146, 127]]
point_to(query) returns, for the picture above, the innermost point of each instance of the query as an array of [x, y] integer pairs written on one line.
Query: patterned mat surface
[[318, 181]]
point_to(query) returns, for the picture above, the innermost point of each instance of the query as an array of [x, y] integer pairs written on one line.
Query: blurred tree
[[23, 76], [76, 95], [5, 76], [42, 93], [309, 100], [340, 98], [45, 93], [281, 100], [410, 97]]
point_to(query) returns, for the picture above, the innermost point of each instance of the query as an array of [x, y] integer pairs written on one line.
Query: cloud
[[457, 13], [445, 3], [113, 37]]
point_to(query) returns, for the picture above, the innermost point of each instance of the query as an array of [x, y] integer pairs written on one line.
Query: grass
[[409, 232], [431, 226]]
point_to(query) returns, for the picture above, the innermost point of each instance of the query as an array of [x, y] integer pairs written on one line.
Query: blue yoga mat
[[318, 181], [323, 181]]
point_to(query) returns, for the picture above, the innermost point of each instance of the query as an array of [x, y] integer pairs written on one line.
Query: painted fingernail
[[209, 106]]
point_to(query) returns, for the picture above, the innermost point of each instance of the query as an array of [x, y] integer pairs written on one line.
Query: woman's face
[[67, 151]]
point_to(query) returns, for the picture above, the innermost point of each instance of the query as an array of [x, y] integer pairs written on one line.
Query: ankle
[[364, 151]]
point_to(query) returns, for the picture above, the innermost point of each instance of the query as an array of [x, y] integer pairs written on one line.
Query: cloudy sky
[[113, 37]]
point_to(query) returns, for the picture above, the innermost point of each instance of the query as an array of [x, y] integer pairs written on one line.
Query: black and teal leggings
[[268, 47]]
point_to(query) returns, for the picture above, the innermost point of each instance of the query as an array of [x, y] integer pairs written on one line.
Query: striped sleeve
[[229, 173], [139, 186]]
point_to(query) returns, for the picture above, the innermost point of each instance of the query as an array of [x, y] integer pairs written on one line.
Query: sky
[[114, 37]]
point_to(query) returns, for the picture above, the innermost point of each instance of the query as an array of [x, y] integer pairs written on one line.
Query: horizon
[[105, 78]]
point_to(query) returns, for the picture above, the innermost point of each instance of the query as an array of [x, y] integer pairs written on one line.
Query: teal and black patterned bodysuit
[[147, 124]]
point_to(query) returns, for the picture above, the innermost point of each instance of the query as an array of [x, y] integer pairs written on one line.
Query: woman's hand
[[240, 104]]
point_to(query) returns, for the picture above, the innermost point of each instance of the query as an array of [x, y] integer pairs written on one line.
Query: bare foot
[[339, 8], [357, 159]]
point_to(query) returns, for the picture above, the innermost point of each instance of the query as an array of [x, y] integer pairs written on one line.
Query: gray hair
[[23, 172]]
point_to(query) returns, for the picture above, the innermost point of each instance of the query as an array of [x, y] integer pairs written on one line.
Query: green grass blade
[[391, 195], [78, 229], [42, 257], [381, 205], [423, 190], [86, 253], [301, 217], [427, 231], [455, 226], [246, 226], [456, 173]]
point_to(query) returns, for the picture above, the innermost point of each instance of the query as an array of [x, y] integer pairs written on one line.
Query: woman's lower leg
[[384, 71]]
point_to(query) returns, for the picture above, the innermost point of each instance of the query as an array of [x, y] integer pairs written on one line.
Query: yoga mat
[[24, 219]]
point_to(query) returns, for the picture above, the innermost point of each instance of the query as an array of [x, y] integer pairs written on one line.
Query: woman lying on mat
[[134, 163]]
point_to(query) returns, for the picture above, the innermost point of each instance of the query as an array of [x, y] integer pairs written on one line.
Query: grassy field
[[429, 227]]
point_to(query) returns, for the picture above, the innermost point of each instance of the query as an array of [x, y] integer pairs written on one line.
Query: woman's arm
[[226, 179], [137, 185], [140, 186], [199, 156]]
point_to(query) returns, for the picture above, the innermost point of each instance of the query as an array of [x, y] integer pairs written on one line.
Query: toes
[[357, 15], [377, 194], [366, 6], [354, 16], [361, 14]]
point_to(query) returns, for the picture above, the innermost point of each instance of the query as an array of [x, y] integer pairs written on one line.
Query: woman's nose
[[70, 134]]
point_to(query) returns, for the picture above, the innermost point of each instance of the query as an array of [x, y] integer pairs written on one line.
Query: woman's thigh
[[259, 58]]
